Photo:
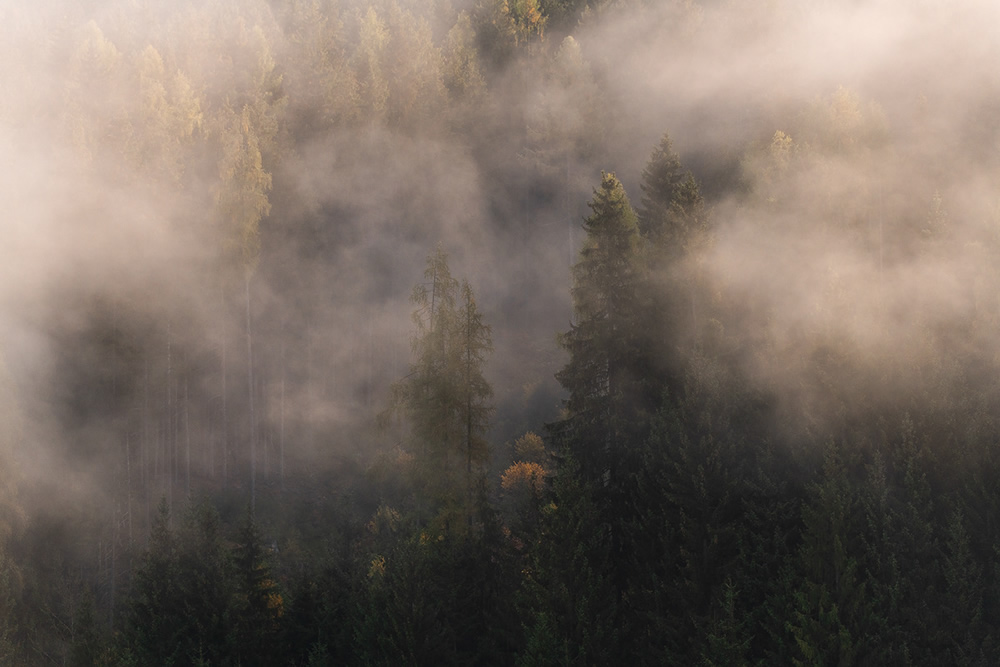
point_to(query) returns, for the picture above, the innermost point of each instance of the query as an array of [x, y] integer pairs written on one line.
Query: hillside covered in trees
[[513, 332]]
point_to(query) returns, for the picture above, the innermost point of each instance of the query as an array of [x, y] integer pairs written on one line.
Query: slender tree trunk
[[168, 449], [165, 463], [695, 329], [253, 425], [265, 431], [430, 323], [144, 449], [281, 415], [225, 402], [370, 360], [468, 409], [128, 482], [187, 437], [114, 542], [569, 218], [468, 461]]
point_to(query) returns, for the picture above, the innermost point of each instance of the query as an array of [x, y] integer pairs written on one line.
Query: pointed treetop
[[610, 206], [672, 205]]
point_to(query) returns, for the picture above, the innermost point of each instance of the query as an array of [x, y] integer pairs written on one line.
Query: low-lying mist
[[198, 193]]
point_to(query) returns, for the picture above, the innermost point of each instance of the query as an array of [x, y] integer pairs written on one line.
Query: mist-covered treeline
[[524, 332]]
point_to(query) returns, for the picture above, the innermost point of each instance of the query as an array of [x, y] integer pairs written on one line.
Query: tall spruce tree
[[258, 604], [569, 604], [672, 209], [607, 410], [673, 226], [604, 374], [832, 621], [475, 344], [151, 632]]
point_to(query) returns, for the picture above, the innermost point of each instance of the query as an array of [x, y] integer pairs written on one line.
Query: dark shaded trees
[[181, 607], [609, 405], [673, 224], [258, 605], [570, 605], [151, 630]]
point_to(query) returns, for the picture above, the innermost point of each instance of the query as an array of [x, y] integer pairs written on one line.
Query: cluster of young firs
[[668, 518]]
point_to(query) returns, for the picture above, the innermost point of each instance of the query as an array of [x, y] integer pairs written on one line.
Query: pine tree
[[181, 605], [373, 87], [681, 545], [570, 605], [727, 640], [462, 71], [674, 228], [205, 587], [902, 551], [151, 630], [86, 646], [603, 375], [962, 598], [445, 398], [475, 345], [833, 621], [672, 213], [258, 604]]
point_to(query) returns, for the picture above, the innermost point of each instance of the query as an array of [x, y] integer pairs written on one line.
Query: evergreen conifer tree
[[673, 226], [603, 375], [151, 629], [445, 398], [258, 603], [672, 209]]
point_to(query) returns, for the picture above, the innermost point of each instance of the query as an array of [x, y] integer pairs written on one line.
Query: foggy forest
[[500, 332]]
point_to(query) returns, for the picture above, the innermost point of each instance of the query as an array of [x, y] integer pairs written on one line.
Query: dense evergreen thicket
[[738, 409]]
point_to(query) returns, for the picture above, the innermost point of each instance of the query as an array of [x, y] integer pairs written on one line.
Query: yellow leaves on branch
[[386, 519], [242, 198], [527, 476], [377, 567], [275, 603], [527, 17], [523, 476]]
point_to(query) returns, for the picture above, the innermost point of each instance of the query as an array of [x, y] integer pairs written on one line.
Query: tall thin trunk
[[468, 408], [144, 449], [168, 449], [281, 415], [430, 323], [114, 542], [253, 425], [694, 302], [881, 251], [468, 462], [370, 360], [164, 462], [265, 432], [569, 218], [187, 437], [225, 403], [128, 483]]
